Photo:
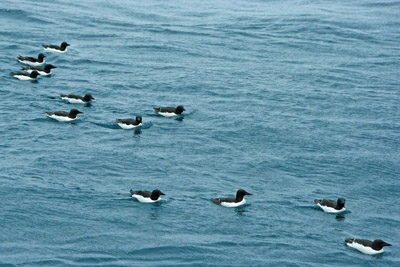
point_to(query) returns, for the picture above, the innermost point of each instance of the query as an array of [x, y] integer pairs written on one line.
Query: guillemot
[[64, 116], [77, 99], [56, 48], [232, 202], [147, 196], [331, 206], [366, 246], [42, 71], [129, 123], [169, 111], [32, 61], [25, 76]]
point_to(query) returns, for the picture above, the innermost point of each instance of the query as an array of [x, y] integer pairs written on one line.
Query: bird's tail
[[216, 200], [12, 73], [317, 201]]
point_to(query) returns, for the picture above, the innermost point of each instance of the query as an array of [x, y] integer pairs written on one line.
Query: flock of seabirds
[[36, 69]]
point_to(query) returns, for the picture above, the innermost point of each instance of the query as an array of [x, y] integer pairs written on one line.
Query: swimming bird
[[42, 71], [77, 99], [32, 61], [147, 196], [55, 48], [232, 202], [25, 76], [169, 111], [331, 206], [129, 123], [366, 246], [64, 116]]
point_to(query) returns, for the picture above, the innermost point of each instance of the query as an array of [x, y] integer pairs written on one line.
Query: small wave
[[107, 125], [178, 32], [382, 4], [20, 15]]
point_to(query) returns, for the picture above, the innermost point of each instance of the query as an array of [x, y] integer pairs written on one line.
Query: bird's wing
[[61, 113], [142, 193], [328, 203], [27, 58], [127, 121], [52, 46]]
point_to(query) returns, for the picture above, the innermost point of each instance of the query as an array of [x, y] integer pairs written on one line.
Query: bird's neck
[[239, 198], [154, 197]]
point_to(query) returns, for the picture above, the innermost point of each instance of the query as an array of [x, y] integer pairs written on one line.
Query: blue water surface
[[289, 100]]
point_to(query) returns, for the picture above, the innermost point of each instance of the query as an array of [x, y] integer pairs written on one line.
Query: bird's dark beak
[[80, 112], [247, 193], [387, 244], [92, 97], [54, 67], [68, 44], [161, 193]]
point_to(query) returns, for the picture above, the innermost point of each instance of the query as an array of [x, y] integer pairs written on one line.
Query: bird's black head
[[378, 244], [41, 56], [156, 194], [65, 44], [88, 97], [34, 74], [241, 193], [48, 67], [73, 112], [139, 119], [179, 109], [340, 203]]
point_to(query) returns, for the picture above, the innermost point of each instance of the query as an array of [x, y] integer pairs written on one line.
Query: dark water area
[[291, 101]]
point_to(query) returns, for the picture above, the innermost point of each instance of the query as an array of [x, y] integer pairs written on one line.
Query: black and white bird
[[31, 61], [44, 71], [169, 111], [63, 115], [129, 123], [77, 99], [25, 76], [232, 202], [366, 246], [147, 196], [57, 48], [331, 206]]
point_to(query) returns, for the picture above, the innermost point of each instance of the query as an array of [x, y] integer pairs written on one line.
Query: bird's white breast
[[167, 114], [40, 72], [55, 50], [233, 204], [364, 249], [145, 199], [73, 100], [30, 63], [23, 77], [331, 210], [61, 118], [128, 126]]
